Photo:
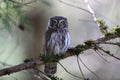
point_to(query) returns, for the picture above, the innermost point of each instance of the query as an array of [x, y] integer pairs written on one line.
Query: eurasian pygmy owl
[[57, 41]]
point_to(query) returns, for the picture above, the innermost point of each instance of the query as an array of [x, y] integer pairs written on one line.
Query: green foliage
[[54, 78], [8, 13], [81, 47], [108, 34], [116, 29], [95, 47], [78, 49], [89, 42], [103, 27], [11, 13], [46, 3], [51, 58]]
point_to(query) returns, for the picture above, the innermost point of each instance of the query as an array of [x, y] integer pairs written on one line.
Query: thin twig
[[69, 72], [13, 77], [101, 53], [80, 68], [89, 69], [109, 54], [112, 43], [24, 66], [39, 76], [86, 21], [106, 38], [101, 56]]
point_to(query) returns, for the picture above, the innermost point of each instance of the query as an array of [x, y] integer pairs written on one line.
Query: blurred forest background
[[22, 28]]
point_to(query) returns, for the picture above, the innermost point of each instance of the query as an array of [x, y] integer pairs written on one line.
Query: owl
[[57, 41]]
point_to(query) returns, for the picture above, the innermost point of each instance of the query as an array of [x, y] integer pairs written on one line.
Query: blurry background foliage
[[16, 34], [12, 13]]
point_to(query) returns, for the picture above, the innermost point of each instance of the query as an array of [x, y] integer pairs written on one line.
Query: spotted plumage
[[57, 41]]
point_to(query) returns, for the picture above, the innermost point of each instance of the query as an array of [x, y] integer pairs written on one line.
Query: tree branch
[[71, 52], [20, 67]]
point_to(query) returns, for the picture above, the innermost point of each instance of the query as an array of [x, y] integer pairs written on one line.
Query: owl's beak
[[58, 25]]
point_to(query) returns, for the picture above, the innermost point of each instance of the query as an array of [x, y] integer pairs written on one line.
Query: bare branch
[[113, 43], [107, 38], [24, 66]]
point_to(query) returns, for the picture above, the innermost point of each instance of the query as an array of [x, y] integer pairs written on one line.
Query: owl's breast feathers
[[57, 41]]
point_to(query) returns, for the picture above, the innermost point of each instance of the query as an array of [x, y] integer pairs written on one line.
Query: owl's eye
[[54, 22], [62, 22]]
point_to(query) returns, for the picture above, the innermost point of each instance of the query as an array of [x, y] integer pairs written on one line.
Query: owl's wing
[[47, 39]]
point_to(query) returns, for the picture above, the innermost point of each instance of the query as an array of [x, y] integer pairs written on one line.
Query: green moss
[[108, 33], [54, 78], [116, 29], [103, 27], [51, 58], [96, 47], [78, 51], [89, 42], [100, 21], [80, 46]]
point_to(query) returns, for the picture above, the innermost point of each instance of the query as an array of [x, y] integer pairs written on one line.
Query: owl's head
[[57, 22]]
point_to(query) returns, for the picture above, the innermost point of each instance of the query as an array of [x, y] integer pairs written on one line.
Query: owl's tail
[[50, 68]]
